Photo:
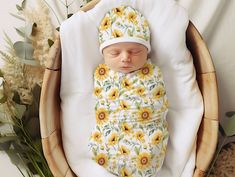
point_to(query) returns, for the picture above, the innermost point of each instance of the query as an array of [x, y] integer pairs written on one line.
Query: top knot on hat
[[124, 24]]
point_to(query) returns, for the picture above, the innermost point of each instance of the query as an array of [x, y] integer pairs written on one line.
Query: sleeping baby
[[130, 136]]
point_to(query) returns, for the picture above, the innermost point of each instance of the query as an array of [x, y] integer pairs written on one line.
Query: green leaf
[[137, 150], [21, 147], [98, 128], [135, 81], [3, 99], [8, 39], [19, 8], [31, 62], [98, 82], [20, 31], [26, 31], [121, 137], [20, 109], [140, 173], [121, 92], [221, 130], [32, 168], [4, 139], [230, 113], [5, 146], [1, 73], [23, 4], [107, 133], [229, 126], [38, 144], [15, 159], [17, 130], [3, 96], [24, 50], [17, 16]]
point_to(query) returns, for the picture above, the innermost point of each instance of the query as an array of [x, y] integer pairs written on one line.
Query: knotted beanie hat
[[124, 24]]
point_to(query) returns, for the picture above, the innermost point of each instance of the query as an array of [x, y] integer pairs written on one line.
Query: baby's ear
[[148, 55]]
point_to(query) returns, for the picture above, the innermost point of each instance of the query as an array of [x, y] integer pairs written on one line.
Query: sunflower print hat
[[124, 24]]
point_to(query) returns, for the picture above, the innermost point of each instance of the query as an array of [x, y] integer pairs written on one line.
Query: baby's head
[[124, 38]]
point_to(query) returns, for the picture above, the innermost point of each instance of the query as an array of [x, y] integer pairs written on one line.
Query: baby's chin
[[126, 70]]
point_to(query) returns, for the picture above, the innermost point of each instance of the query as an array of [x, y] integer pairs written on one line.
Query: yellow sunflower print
[[96, 136], [117, 33], [145, 24], [131, 16], [126, 84], [102, 159], [141, 36], [143, 160], [102, 116], [97, 91], [118, 11], [124, 150], [146, 71], [157, 138], [145, 113], [164, 106], [124, 105], [125, 172], [113, 139], [164, 149], [105, 24], [126, 128], [158, 92], [113, 94], [139, 135], [101, 72], [140, 91]]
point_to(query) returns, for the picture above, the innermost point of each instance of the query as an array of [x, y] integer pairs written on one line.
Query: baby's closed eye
[[135, 51], [114, 53]]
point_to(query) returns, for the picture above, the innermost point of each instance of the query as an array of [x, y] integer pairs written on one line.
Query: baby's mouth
[[125, 67]]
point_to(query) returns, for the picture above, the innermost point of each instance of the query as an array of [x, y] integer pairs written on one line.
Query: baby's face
[[125, 57]]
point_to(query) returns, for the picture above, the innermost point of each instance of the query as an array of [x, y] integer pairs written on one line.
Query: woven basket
[[206, 78]]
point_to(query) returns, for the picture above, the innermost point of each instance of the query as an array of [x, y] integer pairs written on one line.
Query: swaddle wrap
[[130, 136], [80, 56]]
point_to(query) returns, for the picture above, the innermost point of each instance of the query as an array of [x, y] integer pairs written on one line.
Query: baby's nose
[[125, 57]]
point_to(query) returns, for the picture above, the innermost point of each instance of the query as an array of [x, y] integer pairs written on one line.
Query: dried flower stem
[[49, 6]]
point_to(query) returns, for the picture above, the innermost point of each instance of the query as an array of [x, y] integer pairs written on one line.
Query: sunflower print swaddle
[[130, 136]]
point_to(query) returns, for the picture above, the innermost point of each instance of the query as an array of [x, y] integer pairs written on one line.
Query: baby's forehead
[[125, 45]]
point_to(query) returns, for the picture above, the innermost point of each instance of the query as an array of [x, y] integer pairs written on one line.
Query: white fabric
[[80, 56], [125, 39]]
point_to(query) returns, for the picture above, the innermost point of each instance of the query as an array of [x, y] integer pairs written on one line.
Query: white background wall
[[215, 19]]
